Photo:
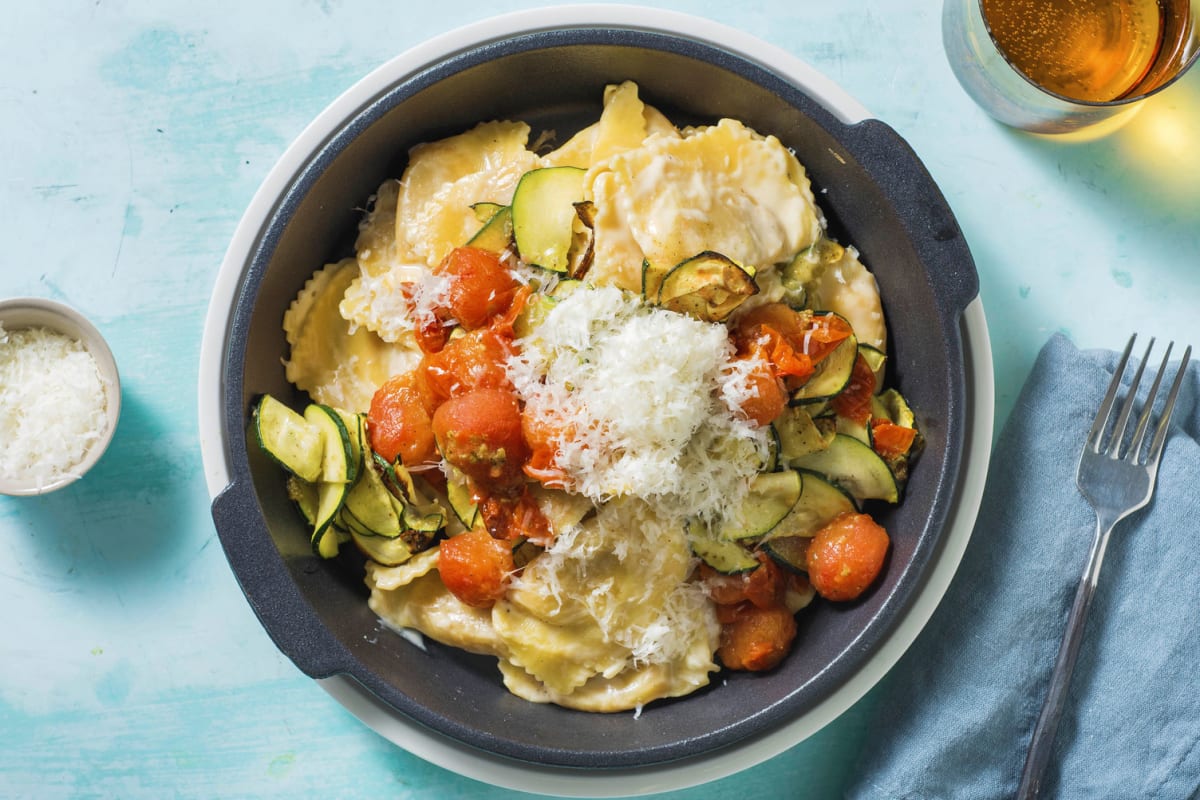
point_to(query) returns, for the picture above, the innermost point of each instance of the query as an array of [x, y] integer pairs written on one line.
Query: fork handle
[[1042, 744]]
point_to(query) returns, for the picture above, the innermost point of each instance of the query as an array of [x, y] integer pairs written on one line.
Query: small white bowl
[[35, 312]]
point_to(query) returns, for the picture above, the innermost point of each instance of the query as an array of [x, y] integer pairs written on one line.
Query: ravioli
[[845, 286], [337, 363], [625, 123], [445, 178], [723, 188], [376, 246], [602, 621], [417, 600]]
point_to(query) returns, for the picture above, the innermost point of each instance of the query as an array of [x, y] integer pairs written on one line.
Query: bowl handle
[[288, 618], [923, 210]]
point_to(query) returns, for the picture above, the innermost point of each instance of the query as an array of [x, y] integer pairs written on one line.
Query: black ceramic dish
[[876, 195]]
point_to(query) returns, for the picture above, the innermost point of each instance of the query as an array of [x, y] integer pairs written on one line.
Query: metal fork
[[1117, 478]]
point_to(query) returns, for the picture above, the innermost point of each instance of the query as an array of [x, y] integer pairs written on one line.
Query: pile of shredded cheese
[[52, 404], [645, 399]]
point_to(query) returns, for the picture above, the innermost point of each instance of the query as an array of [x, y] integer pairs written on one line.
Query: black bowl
[[876, 195]]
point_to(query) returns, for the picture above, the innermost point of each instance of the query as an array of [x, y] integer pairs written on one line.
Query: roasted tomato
[[846, 556], [480, 286], [399, 422], [756, 638], [474, 360], [475, 567], [479, 432]]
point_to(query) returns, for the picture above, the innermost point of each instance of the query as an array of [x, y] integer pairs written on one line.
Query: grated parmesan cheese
[[625, 570], [52, 404], [645, 400]]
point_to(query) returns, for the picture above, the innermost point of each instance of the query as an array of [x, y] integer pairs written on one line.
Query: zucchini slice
[[496, 234], [458, 494], [424, 520], [565, 288], [544, 214], [356, 431], [388, 552], [819, 502], [652, 280], [789, 552], [582, 251], [394, 476], [370, 503], [895, 408], [774, 459], [420, 519], [485, 211], [330, 497], [800, 435], [808, 263], [876, 359], [771, 497], [304, 494], [800, 276], [859, 430], [707, 286], [532, 314], [337, 455], [726, 557], [855, 467], [289, 438], [346, 519], [832, 374]]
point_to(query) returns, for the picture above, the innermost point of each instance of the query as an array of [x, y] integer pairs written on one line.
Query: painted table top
[[134, 135]]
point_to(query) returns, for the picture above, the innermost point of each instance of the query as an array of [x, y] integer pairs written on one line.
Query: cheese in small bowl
[[59, 396]]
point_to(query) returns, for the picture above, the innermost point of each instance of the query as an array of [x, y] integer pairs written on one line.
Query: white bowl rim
[[566, 782], [65, 319]]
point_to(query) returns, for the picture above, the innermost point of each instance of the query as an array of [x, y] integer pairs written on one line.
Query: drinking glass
[[1060, 66]]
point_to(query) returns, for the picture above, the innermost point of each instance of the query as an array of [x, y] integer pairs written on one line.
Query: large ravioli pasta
[[445, 178], [330, 359], [722, 188]]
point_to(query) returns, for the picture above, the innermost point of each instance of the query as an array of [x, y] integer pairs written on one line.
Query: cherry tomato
[[475, 567], [824, 333], [769, 398], [480, 433], [763, 586], [480, 286], [846, 556], [398, 422], [854, 401], [474, 360], [544, 438], [776, 332], [432, 336], [780, 317], [515, 518], [756, 639], [794, 341], [891, 440]]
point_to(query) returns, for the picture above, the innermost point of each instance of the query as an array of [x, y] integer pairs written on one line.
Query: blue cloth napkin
[[957, 712]]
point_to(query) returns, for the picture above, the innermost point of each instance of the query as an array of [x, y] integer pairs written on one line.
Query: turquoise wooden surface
[[133, 136]]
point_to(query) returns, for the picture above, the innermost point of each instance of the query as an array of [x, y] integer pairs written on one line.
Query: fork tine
[[1101, 421], [1118, 432], [1160, 433], [1139, 433]]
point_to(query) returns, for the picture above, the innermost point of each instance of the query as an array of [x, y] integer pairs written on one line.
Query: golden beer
[[1090, 50]]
